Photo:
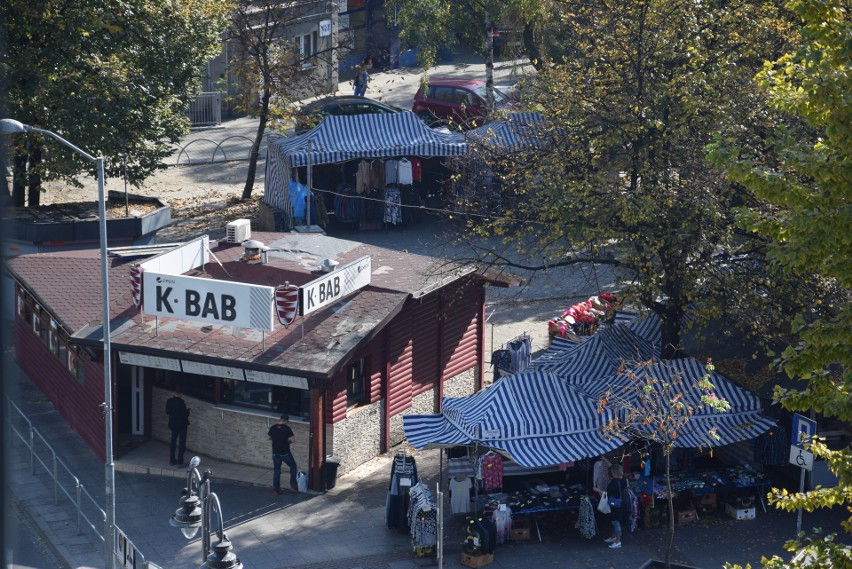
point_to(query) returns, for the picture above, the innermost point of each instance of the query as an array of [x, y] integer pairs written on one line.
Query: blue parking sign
[[804, 430]]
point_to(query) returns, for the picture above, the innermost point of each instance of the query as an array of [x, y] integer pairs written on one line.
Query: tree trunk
[[670, 328], [19, 180], [255, 147], [531, 47], [668, 553], [34, 187], [489, 60]]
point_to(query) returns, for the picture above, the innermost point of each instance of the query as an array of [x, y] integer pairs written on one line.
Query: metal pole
[[310, 185], [801, 491], [109, 468]]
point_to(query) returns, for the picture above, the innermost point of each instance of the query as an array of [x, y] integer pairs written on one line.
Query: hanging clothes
[[403, 476], [502, 518], [391, 172], [422, 519], [460, 487], [586, 518], [362, 177], [377, 174], [460, 466], [521, 352], [404, 173], [491, 470], [393, 206], [416, 169]]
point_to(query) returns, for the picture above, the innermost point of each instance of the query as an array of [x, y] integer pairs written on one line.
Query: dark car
[[312, 114], [448, 100]]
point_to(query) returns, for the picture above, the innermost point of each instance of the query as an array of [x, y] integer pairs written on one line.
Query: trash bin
[[331, 465]]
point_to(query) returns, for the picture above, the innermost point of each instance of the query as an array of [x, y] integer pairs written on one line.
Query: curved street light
[[11, 126], [195, 510]]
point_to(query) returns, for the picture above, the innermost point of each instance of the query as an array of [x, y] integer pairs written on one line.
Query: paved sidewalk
[[341, 529]]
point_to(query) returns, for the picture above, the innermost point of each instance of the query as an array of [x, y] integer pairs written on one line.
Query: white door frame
[[137, 400]]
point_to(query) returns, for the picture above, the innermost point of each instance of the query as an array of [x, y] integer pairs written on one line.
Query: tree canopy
[[114, 78], [619, 174], [805, 173]]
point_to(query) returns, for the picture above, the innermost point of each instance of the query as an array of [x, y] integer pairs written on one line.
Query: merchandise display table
[[536, 499], [725, 481]]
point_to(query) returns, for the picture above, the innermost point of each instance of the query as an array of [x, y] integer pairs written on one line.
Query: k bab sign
[[208, 300]]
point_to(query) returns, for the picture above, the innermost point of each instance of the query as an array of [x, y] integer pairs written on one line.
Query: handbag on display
[[603, 505]]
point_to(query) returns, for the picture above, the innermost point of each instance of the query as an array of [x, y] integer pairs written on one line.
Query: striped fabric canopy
[[343, 138], [742, 422], [533, 417], [518, 131]]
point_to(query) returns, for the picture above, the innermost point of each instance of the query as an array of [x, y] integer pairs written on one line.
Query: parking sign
[[803, 430]]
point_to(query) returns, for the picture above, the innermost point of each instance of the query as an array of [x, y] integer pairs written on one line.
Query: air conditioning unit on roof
[[238, 231]]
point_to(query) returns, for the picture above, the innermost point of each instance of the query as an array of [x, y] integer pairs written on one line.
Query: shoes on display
[[615, 545]]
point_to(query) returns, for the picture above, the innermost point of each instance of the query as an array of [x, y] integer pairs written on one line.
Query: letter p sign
[[804, 430]]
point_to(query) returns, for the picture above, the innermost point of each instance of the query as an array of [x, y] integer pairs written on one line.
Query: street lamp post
[[11, 126], [195, 511]]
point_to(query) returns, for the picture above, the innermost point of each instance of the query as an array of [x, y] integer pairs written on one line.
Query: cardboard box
[[475, 561], [686, 517], [740, 513], [521, 529]]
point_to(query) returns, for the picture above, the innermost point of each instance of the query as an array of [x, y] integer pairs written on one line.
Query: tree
[[114, 78], [655, 404], [803, 170], [274, 71], [620, 176]]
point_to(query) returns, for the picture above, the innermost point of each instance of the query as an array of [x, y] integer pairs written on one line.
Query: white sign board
[[801, 458], [325, 28], [143, 360], [211, 370], [333, 286], [188, 256], [208, 300], [277, 379]]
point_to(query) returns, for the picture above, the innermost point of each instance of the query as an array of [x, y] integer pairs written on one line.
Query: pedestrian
[[362, 77], [600, 475], [178, 424], [617, 495], [282, 437]]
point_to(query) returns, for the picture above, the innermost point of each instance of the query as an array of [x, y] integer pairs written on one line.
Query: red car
[[458, 101]]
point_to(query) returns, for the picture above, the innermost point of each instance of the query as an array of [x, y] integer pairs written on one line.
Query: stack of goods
[[583, 318]]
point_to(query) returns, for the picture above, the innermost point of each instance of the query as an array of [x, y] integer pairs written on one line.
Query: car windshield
[[499, 96]]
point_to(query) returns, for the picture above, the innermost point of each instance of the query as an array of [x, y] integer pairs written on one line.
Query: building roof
[[68, 283]]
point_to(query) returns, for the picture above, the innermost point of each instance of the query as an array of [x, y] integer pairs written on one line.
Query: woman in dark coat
[[616, 491]]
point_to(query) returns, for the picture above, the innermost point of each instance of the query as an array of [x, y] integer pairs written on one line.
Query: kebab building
[[344, 337]]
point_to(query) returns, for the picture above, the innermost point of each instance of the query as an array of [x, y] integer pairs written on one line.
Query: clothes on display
[[480, 536], [422, 520], [515, 356], [583, 318], [460, 466], [460, 487], [502, 518], [709, 482], [393, 206], [403, 477], [490, 470], [586, 518], [772, 448]]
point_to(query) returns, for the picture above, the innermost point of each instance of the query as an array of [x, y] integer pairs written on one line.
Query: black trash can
[[331, 466]]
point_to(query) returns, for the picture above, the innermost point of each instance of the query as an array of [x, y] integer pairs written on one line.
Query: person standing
[[178, 424], [618, 504], [600, 475], [282, 437], [362, 77]]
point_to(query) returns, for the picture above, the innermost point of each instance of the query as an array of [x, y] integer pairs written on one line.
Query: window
[[274, 398], [62, 350], [355, 383], [306, 47], [73, 362], [22, 302], [53, 337]]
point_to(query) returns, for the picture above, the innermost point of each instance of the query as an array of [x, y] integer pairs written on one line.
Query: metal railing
[[206, 109], [42, 457]]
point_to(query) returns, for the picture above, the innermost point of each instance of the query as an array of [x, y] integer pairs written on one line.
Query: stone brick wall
[[358, 437], [423, 404], [462, 385], [227, 435]]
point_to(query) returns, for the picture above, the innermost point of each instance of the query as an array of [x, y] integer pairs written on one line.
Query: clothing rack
[[513, 357], [422, 520]]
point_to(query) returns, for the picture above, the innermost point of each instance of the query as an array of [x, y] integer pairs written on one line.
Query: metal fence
[[206, 109], [66, 486]]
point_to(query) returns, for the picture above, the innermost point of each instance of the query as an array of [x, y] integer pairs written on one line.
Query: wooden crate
[[521, 529], [475, 561], [686, 516]]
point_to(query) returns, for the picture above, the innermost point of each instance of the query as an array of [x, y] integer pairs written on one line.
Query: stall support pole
[[440, 499]]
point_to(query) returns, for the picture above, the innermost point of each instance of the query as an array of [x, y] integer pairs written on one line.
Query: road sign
[[801, 458], [804, 430]]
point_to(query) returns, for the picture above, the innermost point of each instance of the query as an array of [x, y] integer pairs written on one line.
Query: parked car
[[312, 114], [446, 100]]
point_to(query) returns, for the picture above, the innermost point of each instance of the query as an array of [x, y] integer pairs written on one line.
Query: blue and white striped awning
[[534, 418], [743, 421], [517, 131], [343, 138], [588, 363]]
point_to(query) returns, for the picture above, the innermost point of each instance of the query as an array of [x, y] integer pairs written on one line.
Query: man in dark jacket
[[178, 423]]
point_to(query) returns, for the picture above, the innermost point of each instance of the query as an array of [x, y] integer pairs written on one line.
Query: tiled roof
[[69, 283]]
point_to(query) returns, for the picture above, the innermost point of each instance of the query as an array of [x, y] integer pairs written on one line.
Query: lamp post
[[195, 511], [11, 126]]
